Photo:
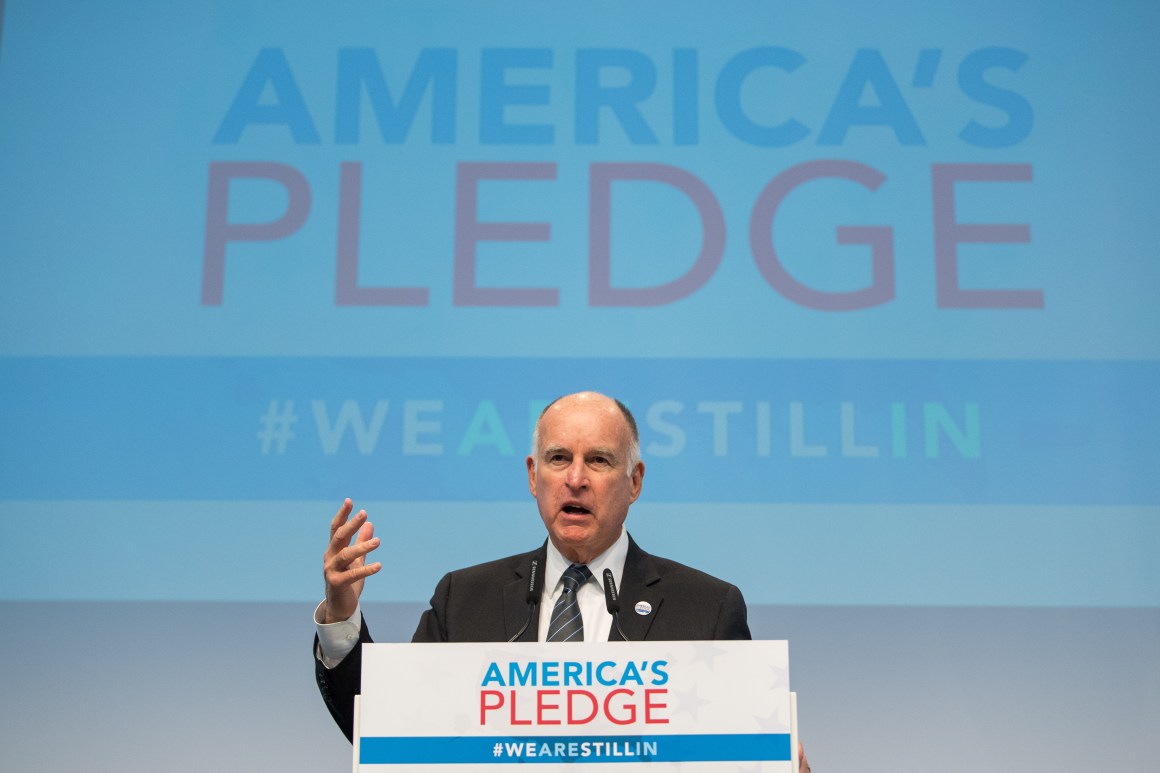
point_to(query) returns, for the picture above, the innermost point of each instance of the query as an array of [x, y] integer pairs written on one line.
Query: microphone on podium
[[533, 597], [612, 602]]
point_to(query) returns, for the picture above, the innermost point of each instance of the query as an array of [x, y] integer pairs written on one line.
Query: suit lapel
[[515, 598], [639, 583]]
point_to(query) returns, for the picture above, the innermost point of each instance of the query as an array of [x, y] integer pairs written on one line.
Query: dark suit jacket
[[488, 602]]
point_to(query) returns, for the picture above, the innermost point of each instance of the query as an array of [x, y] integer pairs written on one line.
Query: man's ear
[[531, 462], [637, 480]]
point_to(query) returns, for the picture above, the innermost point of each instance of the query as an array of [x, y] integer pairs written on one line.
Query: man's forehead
[[584, 430], [583, 418], [582, 402]]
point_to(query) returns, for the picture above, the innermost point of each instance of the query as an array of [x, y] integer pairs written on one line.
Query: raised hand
[[344, 565]]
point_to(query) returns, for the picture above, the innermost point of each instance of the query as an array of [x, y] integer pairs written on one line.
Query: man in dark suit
[[585, 472]]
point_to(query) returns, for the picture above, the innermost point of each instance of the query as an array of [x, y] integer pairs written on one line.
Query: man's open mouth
[[576, 510]]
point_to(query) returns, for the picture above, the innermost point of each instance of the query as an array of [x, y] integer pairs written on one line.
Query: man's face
[[580, 475]]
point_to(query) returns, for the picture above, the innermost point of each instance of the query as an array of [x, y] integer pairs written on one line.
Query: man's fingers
[[352, 555], [340, 537], [365, 542], [340, 517], [360, 572], [352, 573]]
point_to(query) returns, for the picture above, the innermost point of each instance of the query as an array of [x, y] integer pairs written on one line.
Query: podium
[[666, 706]]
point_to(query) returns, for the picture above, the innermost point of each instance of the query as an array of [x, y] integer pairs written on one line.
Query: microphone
[[612, 602], [534, 591]]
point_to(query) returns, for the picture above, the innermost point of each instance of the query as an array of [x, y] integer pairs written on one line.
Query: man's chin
[[574, 542]]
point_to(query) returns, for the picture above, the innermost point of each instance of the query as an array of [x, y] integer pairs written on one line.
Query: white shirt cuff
[[336, 640]]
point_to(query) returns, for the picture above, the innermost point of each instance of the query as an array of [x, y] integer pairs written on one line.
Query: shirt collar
[[613, 559]]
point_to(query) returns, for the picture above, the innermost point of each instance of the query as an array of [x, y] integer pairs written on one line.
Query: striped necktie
[[566, 623]]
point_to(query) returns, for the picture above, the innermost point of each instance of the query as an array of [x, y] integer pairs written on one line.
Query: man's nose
[[577, 476]]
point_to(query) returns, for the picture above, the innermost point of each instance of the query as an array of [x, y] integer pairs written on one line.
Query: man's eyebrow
[[608, 452], [549, 450]]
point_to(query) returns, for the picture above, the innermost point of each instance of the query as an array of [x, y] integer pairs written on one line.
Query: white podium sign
[[679, 706]]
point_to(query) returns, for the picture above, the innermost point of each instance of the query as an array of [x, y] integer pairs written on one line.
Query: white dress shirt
[[593, 610]]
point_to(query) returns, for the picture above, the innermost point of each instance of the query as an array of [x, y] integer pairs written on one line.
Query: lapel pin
[[643, 607]]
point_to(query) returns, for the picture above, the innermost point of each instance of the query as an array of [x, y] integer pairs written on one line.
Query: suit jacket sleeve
[[340, 684], [433, 624], [732, 619]]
